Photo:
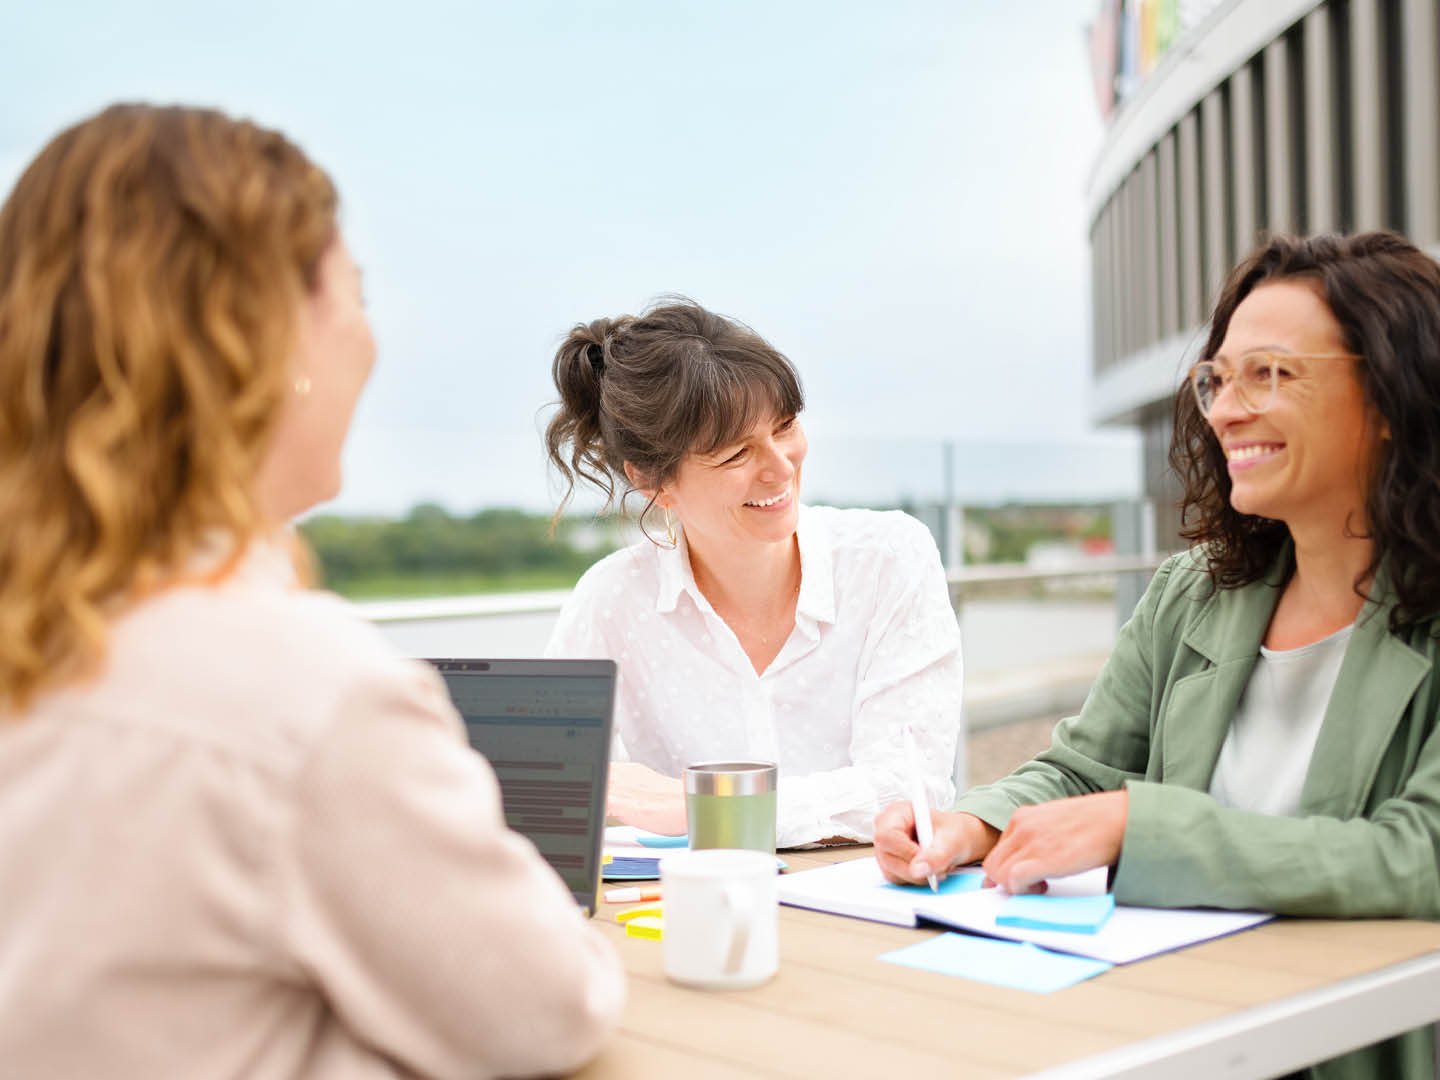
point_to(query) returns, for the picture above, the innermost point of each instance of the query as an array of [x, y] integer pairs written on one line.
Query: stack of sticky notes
[[643, 922], [1068, 914]]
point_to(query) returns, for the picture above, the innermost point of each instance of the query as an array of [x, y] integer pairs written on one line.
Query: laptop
[[544, 726]]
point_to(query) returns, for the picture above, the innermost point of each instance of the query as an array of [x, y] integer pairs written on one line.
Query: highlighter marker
[[631, 896]]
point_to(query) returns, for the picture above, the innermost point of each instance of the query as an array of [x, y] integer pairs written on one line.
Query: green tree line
[[430, 551]]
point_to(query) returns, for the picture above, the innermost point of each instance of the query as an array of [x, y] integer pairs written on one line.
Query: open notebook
[[857, 888]]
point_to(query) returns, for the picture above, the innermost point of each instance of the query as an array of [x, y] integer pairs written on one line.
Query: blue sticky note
[[663, 841], [965, 881], [1014, 964], [1071, 914]]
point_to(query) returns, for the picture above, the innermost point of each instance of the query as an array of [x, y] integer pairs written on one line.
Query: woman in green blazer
[[1308, 441]]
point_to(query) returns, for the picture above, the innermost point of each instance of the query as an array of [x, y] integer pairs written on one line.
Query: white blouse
[[875, 646]]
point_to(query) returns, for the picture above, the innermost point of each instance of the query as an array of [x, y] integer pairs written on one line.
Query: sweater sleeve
[[438, 935]]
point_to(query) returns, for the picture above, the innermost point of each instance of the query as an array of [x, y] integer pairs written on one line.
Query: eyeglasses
[[1257, 381]]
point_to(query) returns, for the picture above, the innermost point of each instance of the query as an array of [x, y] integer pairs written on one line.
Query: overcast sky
[[891, 193]]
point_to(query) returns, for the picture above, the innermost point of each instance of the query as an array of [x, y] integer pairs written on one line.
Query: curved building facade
[[1265, 116]]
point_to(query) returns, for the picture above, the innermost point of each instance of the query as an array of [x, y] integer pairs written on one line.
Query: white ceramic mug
[[721, 918]]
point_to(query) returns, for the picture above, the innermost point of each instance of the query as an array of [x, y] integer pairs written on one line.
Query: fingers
[[895, 843], [958, 839], [1059, 838], [1018, 876], [1018, 861], [998, 861]]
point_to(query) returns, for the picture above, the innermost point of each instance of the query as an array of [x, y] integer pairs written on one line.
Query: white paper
[[853, 888], [858, 888], [629, 836]]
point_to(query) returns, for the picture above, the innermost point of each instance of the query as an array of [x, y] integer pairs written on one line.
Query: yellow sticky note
[[646, 926], [647, 910]]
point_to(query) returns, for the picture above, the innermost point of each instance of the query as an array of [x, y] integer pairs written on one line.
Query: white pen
[[924, 829]]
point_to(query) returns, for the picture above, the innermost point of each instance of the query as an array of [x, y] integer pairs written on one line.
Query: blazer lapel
[[1227, 633], [1378, 677]]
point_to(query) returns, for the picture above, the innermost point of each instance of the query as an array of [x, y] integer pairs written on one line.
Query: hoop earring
[[670, 540]]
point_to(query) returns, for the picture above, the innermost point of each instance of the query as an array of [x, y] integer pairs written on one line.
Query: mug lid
[[730, 777]]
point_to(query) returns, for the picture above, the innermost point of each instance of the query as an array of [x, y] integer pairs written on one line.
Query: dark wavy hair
[[1385, 294], [649, 389]]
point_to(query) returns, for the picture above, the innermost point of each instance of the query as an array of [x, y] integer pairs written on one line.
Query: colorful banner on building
[[1130, 38]]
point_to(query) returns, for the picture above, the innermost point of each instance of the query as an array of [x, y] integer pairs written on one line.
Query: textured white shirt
[[1268, 748], [875, 646]]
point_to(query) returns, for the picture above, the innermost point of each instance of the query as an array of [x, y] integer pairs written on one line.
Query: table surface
[[1252, 1004]]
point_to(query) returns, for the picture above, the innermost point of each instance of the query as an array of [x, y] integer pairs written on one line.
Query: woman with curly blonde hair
[[238, 836]]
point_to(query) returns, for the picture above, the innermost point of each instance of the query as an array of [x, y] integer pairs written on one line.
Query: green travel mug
[[731, 804]]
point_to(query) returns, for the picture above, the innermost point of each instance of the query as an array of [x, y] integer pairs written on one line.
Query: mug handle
[[741, 909]]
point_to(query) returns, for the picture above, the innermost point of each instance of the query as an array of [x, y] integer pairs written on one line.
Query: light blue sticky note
[[964, 881], [1072, 914], [663, 841], [1014, 964]]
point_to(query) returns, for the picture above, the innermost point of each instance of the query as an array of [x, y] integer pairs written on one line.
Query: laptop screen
[[544, 726]]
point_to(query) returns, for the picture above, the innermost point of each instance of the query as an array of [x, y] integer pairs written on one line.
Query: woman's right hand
[[640, 796], [959, 839]]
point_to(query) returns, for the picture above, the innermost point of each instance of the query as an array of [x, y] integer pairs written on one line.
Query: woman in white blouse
[[238, 835], [746, 625]]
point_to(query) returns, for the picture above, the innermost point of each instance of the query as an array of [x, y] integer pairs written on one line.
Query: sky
[[892, 194]]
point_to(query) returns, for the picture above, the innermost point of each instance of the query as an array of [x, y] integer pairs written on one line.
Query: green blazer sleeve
[[1183, 850], [1107, 744]]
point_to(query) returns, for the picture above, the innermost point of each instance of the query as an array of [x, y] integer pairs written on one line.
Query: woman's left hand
[[1057, 838], [640, 796]]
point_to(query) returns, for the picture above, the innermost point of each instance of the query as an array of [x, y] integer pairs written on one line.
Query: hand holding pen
[[919, 802], [906, 855]]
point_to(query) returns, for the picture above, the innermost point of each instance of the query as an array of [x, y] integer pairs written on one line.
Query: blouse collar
[[817, 578]]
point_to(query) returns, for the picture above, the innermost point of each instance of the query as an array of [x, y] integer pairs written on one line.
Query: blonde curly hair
[[152, 262]]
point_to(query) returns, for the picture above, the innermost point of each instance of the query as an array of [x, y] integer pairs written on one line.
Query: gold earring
[[302, 385], [670, 530]]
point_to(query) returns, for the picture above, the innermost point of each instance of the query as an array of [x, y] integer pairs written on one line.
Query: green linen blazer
[[1365, 841]]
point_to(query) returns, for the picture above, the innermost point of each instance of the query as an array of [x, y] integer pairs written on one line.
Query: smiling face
[[1307, 460], [745, 492]]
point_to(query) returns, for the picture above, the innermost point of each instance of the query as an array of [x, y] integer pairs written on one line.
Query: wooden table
[[1257, 1003]]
